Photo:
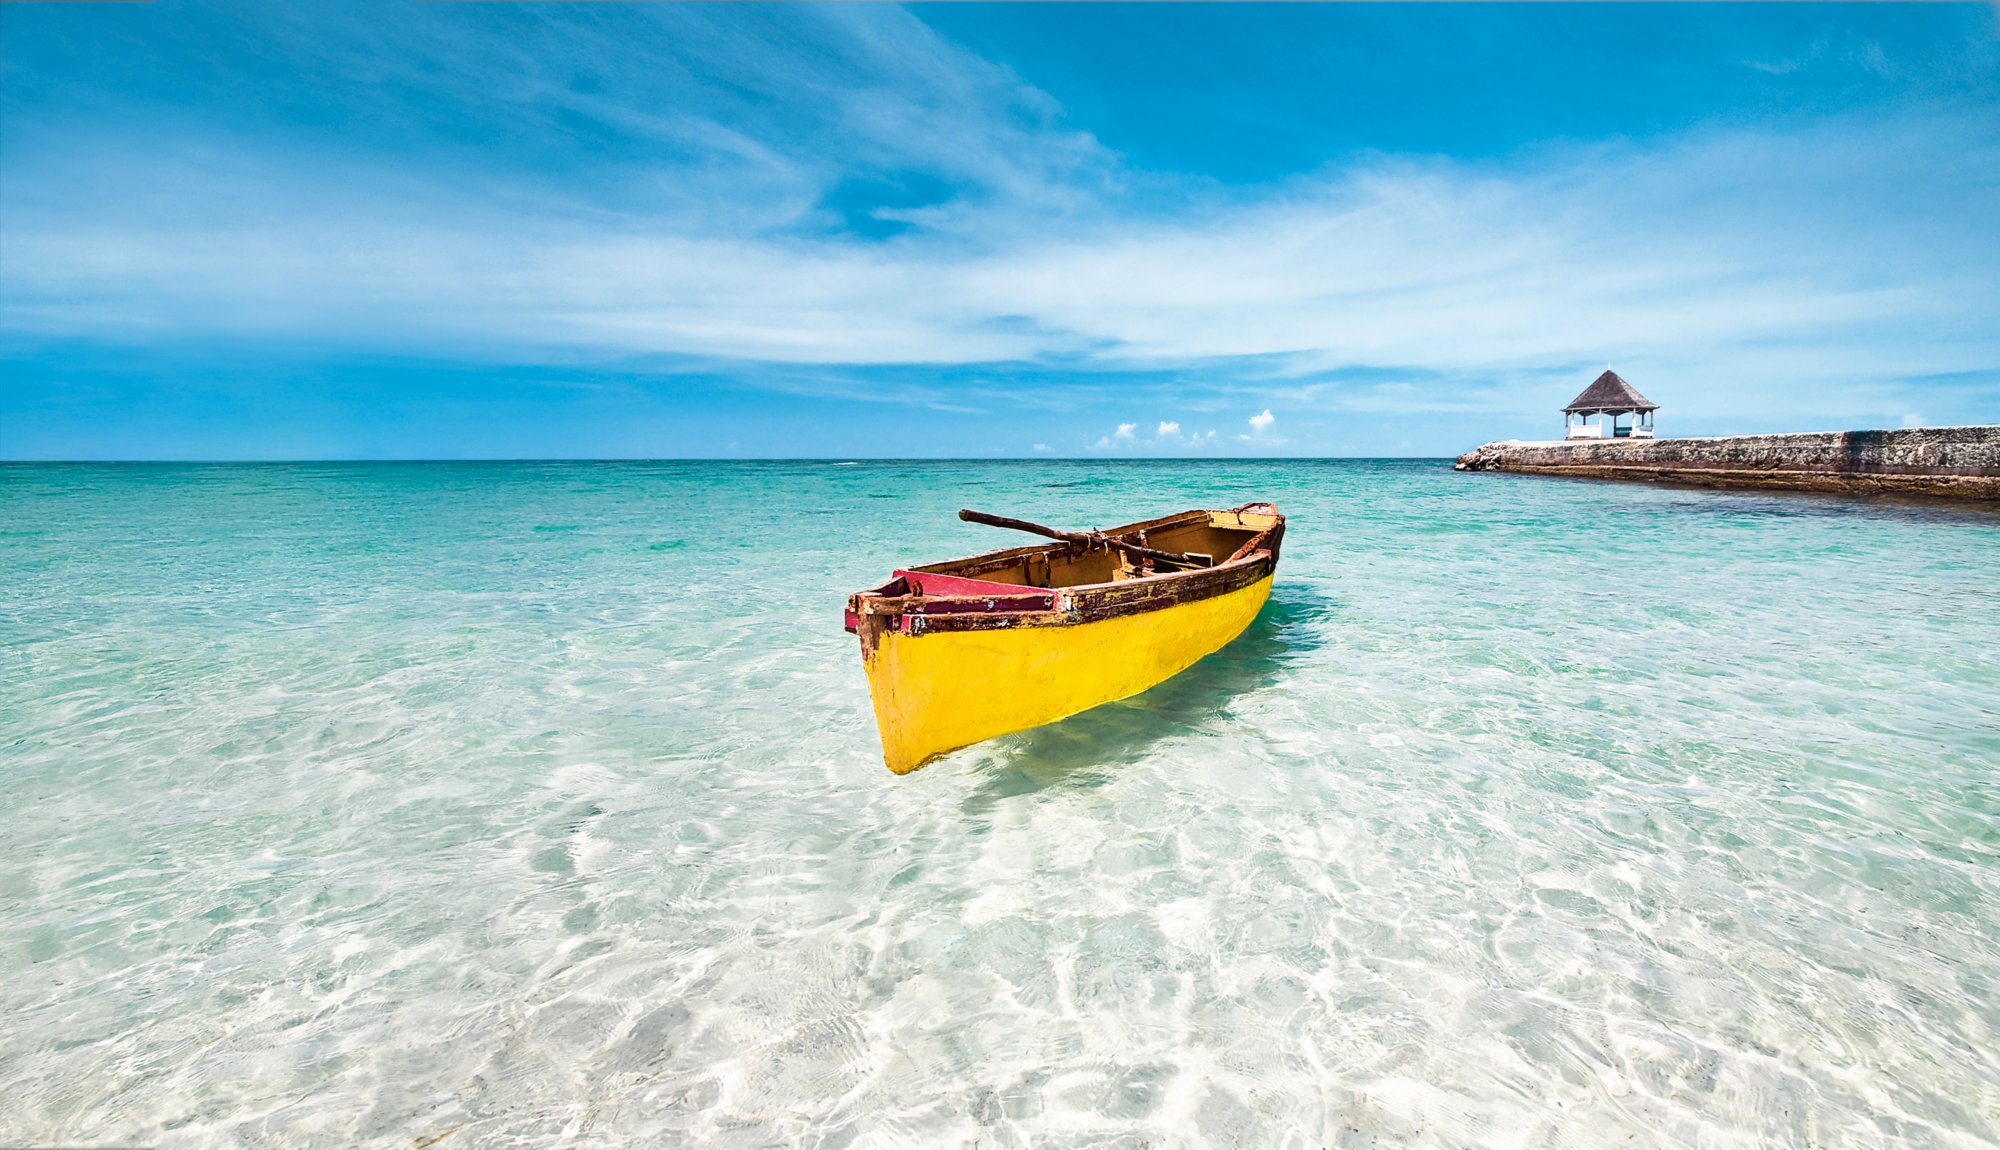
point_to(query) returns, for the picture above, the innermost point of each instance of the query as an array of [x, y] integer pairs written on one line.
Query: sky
[[380, 229]]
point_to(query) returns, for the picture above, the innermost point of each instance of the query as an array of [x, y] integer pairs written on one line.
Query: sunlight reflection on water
[[541, 803]]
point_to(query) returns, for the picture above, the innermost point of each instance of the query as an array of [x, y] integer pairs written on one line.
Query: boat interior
[[1207, 538]]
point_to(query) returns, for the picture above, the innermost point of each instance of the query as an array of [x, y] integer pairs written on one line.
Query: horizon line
[[834, 459]]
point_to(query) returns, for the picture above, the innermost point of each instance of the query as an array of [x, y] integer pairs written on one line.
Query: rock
[[1950, 462]]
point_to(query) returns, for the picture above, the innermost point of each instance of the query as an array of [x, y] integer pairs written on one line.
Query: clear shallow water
[[540, 804]]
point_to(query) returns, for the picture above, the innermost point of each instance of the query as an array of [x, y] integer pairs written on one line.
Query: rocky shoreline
[[1945, 462]]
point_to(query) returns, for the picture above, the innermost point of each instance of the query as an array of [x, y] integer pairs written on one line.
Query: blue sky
[[647, 230]]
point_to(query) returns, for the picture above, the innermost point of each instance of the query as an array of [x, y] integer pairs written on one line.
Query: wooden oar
[[1086, 538]]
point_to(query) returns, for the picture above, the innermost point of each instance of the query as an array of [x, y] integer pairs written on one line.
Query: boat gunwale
[[1084, 603]]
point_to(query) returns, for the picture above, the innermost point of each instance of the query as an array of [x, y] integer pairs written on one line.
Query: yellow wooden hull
[[938, 691]]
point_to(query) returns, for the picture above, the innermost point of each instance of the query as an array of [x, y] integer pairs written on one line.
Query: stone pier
[[1947, 462]]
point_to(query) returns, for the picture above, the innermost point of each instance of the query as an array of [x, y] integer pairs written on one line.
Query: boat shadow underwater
[[1087, 749]]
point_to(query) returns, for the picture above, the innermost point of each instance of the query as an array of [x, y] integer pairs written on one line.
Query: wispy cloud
[[884, 197], [1423, 266]]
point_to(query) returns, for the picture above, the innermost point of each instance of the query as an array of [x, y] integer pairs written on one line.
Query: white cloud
[[1262, 420], [1784, 267], [1428, 268], [1043, 448], [1168, 429], [1125, 430]]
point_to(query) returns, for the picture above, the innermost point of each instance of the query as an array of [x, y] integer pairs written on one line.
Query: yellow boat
[[961, 651]]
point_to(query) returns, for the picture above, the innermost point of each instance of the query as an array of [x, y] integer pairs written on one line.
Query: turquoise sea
[[540, 805]]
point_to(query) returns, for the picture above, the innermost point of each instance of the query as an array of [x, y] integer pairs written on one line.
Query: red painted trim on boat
[[958, 586]]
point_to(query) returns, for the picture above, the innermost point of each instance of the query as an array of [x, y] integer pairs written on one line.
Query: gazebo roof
[[1608, 393]]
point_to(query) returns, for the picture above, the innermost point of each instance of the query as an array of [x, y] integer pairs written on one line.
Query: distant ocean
[[541, 805]]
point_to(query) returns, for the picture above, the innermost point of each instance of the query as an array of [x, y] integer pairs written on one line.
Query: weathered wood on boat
[[1086, 538], [960, 651]]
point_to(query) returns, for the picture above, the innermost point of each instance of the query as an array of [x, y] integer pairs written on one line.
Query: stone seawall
[[1951, 462]]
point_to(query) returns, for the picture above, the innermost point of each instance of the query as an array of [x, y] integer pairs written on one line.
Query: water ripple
[[501, 805]]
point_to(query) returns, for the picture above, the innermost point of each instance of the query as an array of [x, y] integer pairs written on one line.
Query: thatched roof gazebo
[[1609, 397]]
